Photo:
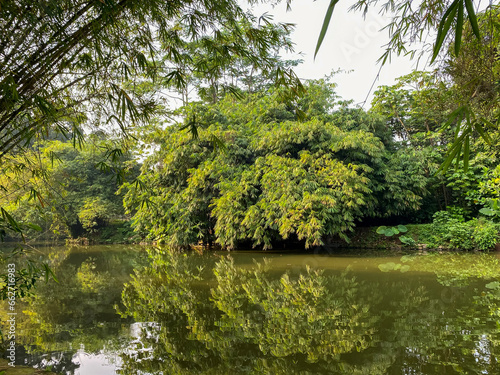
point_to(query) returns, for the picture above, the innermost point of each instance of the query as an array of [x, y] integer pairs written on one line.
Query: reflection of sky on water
[[483, 352], [96, 364], [136, 348]]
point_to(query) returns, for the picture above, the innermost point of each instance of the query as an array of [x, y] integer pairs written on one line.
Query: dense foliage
[[276, 179], [455, 28], [66, 191], [66, 63], [67, 67], [272, 167]]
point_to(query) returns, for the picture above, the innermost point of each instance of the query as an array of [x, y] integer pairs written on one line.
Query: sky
[[352, 44]]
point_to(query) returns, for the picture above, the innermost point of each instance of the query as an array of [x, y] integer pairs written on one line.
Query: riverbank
[[469, 236], [462, 236]]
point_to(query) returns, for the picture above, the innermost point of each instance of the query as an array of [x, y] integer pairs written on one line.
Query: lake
[[126, 309]]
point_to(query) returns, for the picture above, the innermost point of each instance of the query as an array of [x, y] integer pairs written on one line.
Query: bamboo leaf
[[13, 223], [453, 116], [192, 127], [454, 150], [218, 143], [479, 128], [458, 154], [326, 23], [34, 227], [466, 154], [459, 27], [471, 14], [444, 27]]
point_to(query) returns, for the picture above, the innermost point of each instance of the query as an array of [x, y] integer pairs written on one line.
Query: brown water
[[261, 313]]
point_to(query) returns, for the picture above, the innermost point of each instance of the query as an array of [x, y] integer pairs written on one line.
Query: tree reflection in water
[[204, 314], [253, 320]]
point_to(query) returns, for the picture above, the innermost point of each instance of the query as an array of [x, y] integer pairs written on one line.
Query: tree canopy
[[68, 68], [277, 179], [65, 64]]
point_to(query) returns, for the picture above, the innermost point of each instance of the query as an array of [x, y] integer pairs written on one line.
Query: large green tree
[[277, 179]]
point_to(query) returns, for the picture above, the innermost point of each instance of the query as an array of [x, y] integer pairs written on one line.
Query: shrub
[[449, 230], [486, 234]]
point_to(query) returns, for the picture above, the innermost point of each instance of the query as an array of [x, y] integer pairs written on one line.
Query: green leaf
[[326, 23], [493, 285], [494, 203], [394, 230], [487, 211], [454, 152], [218, 143], [407, 240], [301, 115], [234, 91], [466, 154], [34, 227], [459, 145], [459, 27], [13, 223], [49, 272], [402, 228], [389, 232], [457, 113], [471, 14], [479, 128], [444, 27], [192, 127], [382, 229]]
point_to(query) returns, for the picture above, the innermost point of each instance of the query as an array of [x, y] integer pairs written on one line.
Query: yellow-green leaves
[[278, 180]]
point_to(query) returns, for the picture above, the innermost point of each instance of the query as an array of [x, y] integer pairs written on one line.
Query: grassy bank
[[473, 235]]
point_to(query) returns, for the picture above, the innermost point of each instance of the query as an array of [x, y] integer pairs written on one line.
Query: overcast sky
[[351, 44]]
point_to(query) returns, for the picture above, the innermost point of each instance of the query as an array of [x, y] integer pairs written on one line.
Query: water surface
[[262, 313]]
